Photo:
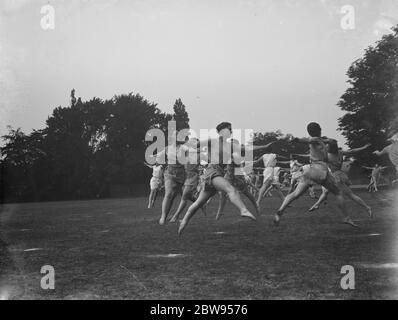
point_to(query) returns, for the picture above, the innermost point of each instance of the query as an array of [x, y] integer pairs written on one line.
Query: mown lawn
[[114, 249]]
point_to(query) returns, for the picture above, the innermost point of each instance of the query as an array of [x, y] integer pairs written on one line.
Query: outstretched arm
[[149, 166], [307, 155], [254, 162], [261, 147], [313, 140], [382, 152], [284, 162], [353, 151]]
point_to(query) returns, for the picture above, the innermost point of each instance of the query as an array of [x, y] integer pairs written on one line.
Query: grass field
[[115, 249]]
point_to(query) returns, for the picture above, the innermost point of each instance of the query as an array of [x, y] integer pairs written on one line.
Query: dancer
[[270, 161], [220, 151], [316, 172], [174, 175], [392, 152], [275, 182], [295, 167], [191, 178], [335, 161], [374, 177], [240, 182], [155, 183]]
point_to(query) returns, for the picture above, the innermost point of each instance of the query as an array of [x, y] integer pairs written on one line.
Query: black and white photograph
[[198, 155]]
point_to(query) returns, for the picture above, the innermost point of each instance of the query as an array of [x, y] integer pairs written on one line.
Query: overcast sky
[[263, 65]]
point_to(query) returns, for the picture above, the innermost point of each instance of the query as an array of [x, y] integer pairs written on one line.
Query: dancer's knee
[[232, 192]]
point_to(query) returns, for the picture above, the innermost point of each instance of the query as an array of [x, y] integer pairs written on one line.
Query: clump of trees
[[371, 101], [83, 149]]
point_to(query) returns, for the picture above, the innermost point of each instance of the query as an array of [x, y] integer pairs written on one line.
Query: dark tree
[[284, 146], [371, 102], [84, 149], [180, 115]]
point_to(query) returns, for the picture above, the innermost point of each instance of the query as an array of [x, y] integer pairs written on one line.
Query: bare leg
[[268, 191], [170, 194], [204, 196], [152, 197], [252, 199], [155, 197], [223, 185], [375, 184], [371, 186], [351, 195], [321, 199], [331, 185], [293, 185], [221, 204], [279, 192], [182, 205], [301, 188], [262, 192]]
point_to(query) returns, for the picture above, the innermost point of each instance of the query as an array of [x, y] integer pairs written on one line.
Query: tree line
[[84, 149], [89, 146]]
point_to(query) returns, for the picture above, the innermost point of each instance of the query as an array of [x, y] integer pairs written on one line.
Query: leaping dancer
[[269, 160], [191, 178], [155, 183], [392, 152], [214, 180], [317, 172], [335, 161], [374, 177], [240, 182]]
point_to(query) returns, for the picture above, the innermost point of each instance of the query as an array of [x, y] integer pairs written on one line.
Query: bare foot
[[313, 208], [258, 207], [350, 222], [277, 219], [370, 212], [204, 210], [258, 210], [173, 219], [247, 214], [182, 226]]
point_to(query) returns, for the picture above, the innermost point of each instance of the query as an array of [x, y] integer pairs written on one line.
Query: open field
[[114, 249]]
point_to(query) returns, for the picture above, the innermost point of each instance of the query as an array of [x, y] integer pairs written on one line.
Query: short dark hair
[[223, 125], [333, 147], [314, 129]]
